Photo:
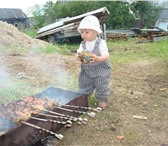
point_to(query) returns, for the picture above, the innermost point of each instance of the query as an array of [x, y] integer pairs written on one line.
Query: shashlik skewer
[[67, 123], [84, 120], [55, 116], [91, 114], [59, 136], [79, 120], [98, 109]]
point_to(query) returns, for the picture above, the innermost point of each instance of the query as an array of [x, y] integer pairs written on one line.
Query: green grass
[[30, 32], [49, 49], [158, 50], [120, 52], [129, 51]]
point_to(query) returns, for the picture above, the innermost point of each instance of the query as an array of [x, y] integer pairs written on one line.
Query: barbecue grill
[[37, 127]]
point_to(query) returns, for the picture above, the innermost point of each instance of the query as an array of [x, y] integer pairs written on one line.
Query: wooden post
[[103, 35]]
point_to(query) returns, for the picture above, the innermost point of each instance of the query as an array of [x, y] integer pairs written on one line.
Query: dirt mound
[[11, 36]]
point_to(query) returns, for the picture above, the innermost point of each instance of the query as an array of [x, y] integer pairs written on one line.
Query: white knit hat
[[90, 22]]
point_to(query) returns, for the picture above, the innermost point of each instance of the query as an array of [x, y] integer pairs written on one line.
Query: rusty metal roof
[[9, 13]]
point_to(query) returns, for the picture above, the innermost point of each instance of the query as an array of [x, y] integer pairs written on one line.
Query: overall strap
[[84, 45], [96, 46]]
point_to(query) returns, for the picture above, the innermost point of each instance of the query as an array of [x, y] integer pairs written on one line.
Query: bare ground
[[137, 89]]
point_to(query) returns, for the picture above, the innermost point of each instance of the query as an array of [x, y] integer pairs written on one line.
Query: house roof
[[9, 13]]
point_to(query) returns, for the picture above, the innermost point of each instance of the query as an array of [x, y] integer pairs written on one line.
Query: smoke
[[54, 71], [58, 75], [5, 125], [3, 75], [63, 77], [5, 120], [4, 80]]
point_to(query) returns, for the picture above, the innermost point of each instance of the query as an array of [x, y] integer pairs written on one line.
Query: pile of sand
[[11, 36]]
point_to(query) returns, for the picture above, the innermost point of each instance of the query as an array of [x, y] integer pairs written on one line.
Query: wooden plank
[[55, 30]]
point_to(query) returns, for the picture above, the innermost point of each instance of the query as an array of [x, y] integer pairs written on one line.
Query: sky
[[21, 4]]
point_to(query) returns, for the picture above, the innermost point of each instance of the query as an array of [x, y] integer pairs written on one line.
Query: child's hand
[[78, 56], [98, 58], [94, 58]]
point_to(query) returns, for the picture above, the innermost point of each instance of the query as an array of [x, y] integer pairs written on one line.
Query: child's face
[[88, 34]]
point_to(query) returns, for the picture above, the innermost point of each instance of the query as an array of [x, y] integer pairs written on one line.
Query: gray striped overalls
[[95, 76]]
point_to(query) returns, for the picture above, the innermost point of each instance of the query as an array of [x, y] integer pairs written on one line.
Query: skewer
[[68, 123], [54, 116], [73, 118], [91, 114], [79, 120], [98, 109], [59, 136]]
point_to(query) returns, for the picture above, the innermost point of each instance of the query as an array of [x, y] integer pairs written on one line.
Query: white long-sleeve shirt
[[90, 46]]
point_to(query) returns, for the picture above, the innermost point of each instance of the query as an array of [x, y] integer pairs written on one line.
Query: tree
[[122, 13], [146, 11], [71, 8], [39, 17], [48, 11]]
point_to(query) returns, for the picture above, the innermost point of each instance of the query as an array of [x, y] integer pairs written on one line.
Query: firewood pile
[[111, 36]]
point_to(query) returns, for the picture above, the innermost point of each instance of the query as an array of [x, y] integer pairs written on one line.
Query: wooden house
[[13, 16]]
